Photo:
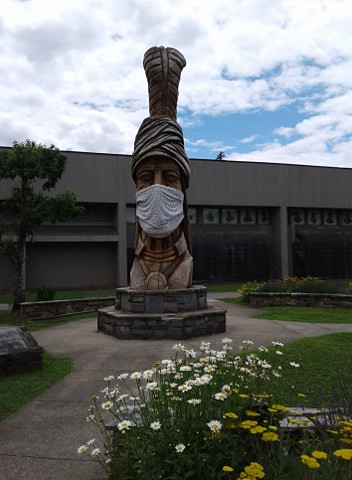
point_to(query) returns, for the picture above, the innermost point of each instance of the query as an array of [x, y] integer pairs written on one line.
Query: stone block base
[[154, 326], [19, 352], [161, 301]]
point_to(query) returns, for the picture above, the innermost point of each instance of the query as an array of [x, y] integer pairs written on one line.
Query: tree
[[221, 156], [34, 169]]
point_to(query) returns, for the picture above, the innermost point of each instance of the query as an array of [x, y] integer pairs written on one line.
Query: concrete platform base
[[155, 326], [151, 315]]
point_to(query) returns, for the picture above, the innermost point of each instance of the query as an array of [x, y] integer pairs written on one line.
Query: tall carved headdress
[[159, 134]]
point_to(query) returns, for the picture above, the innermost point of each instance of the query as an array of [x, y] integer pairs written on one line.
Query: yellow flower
[[226, 468], [319, 454], [257, 429], [231, 415], [301, 395], [345, 453], [280, 408], [310, 461], [243, 395], [270, 437], [348, 441], [250, 413], [254, 470], [247, 424]]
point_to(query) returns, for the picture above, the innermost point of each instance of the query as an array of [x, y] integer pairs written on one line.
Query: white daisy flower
[[148, 374], [155, 426], [185, 368], [151, 386], [215, 426], [124, 425], [294, 364], [180, 447]]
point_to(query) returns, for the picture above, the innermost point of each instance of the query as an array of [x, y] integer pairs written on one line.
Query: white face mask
[[159, 210]]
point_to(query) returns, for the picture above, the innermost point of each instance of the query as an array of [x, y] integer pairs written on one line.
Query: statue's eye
[[171, 176], [145, 176]]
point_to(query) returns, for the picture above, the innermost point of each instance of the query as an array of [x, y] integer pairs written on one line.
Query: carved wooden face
[[161, 171]]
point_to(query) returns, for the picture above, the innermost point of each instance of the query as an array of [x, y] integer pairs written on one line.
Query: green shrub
[[44, 294], [297, 285], [248, 287]]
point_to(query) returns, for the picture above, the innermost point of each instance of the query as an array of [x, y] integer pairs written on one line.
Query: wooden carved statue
[[160, 169]]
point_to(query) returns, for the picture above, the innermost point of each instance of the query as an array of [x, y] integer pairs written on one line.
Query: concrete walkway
[[39, 442]]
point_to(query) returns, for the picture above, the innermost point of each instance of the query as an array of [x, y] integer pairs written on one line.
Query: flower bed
[[211, 415]]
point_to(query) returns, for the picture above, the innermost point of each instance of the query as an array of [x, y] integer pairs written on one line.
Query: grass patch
[[17, 390], [226, 287], [307, 314], [6, 297], [6, 319], [325, 361]]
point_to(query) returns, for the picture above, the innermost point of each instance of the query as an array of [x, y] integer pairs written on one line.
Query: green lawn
[[6, 297], [325, 362], [17, 390], [6, 318], [224, 287], [307, 314]]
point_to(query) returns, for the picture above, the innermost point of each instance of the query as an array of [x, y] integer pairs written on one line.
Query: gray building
[[250, 221]]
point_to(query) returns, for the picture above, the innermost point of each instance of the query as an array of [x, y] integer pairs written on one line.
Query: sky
[[265, 80]]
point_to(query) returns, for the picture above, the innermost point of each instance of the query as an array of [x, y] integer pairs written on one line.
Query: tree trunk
[[18, 295]]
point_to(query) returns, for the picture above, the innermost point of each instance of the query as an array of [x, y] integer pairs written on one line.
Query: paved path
[[39, 442]]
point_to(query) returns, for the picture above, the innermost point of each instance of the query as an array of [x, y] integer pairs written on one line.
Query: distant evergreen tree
[[221, 156]]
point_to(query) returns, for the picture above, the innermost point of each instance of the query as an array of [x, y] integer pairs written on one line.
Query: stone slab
[[328, 300], [19, 352], [161, 301]]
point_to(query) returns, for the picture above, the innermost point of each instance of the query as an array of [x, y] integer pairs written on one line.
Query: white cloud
[[248, 139], [72, 72]]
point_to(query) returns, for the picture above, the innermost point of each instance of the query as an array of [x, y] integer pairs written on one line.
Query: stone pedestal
[[19, 352], [156, 314]]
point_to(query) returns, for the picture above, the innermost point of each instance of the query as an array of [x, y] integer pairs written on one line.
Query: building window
[[192, 215], [247, 216], [211, 215], [346, 219], [330, 217], [263, 216], [229, 216], [314, 217], [297, 217], [130, 215]]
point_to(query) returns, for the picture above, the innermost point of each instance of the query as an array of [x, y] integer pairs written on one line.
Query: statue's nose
[[158, 178]]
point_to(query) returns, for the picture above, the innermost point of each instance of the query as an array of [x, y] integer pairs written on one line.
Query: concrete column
[[280, 241], [121, 257]]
